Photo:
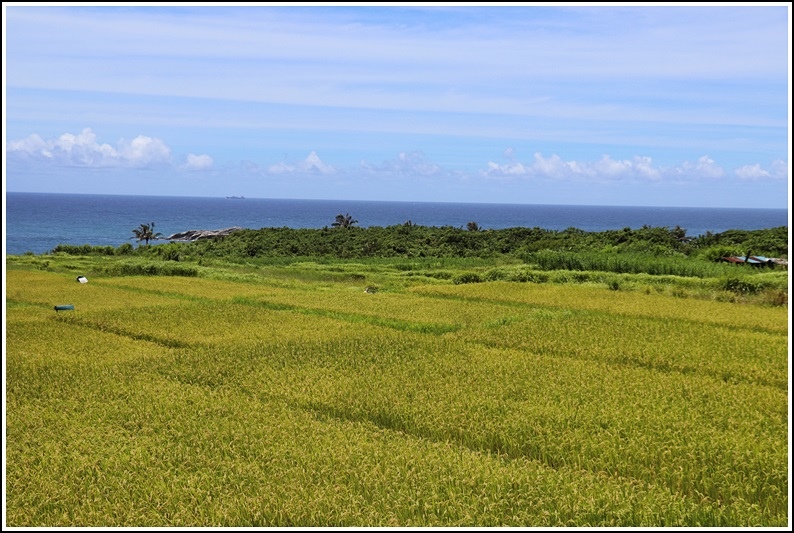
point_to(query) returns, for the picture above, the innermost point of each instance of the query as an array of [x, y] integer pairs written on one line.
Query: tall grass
[[633, 263], [137, 268]]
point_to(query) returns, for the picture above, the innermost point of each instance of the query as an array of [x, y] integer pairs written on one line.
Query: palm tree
[[145, 232], [472, 226], [344, 221]]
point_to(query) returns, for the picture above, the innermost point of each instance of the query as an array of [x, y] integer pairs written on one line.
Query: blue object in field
[[67, 307]]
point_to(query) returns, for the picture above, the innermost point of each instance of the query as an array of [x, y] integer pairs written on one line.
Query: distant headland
[[195, 234]]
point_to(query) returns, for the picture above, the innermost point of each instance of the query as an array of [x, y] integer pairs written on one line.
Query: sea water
[[38, 222]]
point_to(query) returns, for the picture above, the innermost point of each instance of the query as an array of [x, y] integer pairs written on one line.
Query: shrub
[[739, 285], [495, 274], [150, 269], [467, 277], [85, 249], [71, 249], [714, 253], [775, 297], [169, 252], [125, 249], [530, 277], [438, 274]]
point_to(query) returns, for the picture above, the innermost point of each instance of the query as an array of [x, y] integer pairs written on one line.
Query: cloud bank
[[637, 169], [83, 150], [406, 163]]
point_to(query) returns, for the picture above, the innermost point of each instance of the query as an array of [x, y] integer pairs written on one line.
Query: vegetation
[[344, 221], [512, 378], [472, 226], [644, 259], [409, 240], [146, 233]]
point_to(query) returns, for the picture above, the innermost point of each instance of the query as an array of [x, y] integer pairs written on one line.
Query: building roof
[[755, 259]]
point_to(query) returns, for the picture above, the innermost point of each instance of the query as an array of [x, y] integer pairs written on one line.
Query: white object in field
[[82, 279]]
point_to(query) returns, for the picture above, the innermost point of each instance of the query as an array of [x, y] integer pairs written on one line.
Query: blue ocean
[[38, 222]]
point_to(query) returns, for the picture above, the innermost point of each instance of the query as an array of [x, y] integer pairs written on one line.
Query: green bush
[[169, 252], [149, 269], [495, 274], [739, 285], [467, 277], [125, 249], [714, 253], [85, 249]]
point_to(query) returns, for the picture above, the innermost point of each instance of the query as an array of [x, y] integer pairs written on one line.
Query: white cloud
[[704, 168], [314, 164], [198, 162], [85, 139], [144, 150], [280, 168], [779, 169], [639, 168], [83, 150], [30, 145], [643, 168], [311, 165], [752, 172], [405, 164], [554, 167], [612, 168], [509, 169], [607, 169]]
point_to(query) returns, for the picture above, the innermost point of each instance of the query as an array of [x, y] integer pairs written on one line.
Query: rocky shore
[[196, 234]]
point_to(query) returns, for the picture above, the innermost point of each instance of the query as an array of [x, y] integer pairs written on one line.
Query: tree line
[[346, 240]]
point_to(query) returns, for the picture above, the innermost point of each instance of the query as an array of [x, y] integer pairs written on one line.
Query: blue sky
[[561, 104]]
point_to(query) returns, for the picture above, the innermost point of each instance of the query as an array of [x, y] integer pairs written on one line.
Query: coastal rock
[[196, 234]]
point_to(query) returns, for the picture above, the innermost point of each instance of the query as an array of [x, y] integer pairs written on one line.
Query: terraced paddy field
[[168, 401]]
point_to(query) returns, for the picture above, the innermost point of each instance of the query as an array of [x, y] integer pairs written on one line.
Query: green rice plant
[[627, 303], [270, 400], [671, 346], [47, 289], [534, 407], [155, 452]]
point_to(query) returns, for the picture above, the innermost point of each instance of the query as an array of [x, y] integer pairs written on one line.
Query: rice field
[[165, 401]]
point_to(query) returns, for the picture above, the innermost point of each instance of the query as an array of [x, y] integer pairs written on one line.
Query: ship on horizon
[[236, 197]]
